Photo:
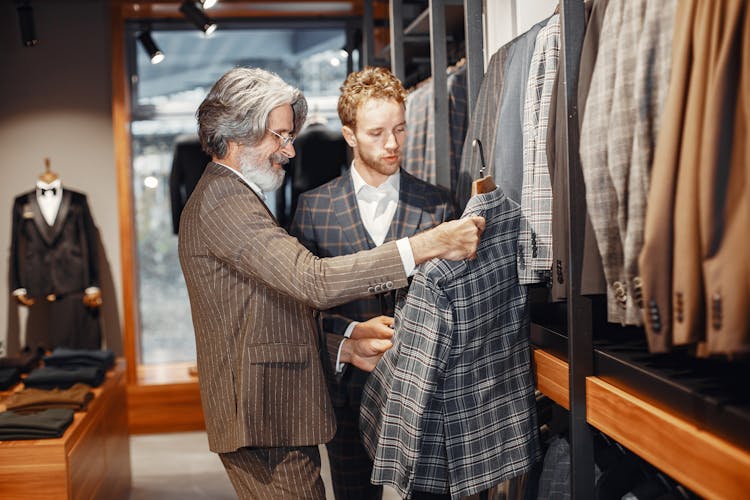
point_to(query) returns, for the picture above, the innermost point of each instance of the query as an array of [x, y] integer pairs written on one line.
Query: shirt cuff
[[407, 256], [91, 289], [339, 365], [19, 291], [350, 329]]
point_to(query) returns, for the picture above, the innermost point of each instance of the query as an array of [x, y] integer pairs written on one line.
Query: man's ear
[[349, 136]]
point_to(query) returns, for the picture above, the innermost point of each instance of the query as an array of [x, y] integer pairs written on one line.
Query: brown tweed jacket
[[253, 293]]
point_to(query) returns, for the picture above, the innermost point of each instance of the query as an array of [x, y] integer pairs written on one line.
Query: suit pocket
[[279, 354]]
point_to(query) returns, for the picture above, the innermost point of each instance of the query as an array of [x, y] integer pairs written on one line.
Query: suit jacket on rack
[[328, 223], [496, 120], [188, 162], [61, 259], [535, 235], [322, 154], [451, 406], [253, 293]]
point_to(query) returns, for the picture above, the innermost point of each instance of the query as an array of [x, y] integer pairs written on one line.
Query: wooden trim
[[708, 465], [552, 377], [122, 147], [165, 408]]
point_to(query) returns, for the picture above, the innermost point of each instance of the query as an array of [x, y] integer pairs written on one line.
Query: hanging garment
[[535, 235], [451, 406], [188, 163]]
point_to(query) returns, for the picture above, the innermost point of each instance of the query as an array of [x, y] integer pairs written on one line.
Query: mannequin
[[54, 265]]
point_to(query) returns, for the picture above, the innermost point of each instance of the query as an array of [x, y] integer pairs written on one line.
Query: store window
[[164, 98]]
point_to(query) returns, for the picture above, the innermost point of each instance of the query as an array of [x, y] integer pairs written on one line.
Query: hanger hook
[[477, 143]]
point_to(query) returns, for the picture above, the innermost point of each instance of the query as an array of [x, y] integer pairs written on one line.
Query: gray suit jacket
[[253, 293], [451, 406]]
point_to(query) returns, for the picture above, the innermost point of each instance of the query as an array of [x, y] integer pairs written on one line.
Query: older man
[[254, 291]]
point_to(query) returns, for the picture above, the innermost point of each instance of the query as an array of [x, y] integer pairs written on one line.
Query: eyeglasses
[[283, 141]]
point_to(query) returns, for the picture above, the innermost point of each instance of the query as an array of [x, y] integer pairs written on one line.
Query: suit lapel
[[347, 212], [50, 233], [408, 212]]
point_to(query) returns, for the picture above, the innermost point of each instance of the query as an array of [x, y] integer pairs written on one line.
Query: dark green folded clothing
[[49, 377], [45, 424], [64, 357]]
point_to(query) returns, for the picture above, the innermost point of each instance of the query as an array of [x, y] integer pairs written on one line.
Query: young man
[[254, 290], [375, 202]]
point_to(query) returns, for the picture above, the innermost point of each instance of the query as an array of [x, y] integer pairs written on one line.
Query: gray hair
[[237, 108]]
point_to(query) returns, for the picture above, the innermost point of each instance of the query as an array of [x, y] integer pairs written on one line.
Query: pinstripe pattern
[[451, 406], [328, 223], [253, 290], [275, 473], [535, 235]]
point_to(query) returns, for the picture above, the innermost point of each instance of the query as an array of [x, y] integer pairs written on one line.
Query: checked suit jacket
[[254, 291], [328, 223], [450, 407]]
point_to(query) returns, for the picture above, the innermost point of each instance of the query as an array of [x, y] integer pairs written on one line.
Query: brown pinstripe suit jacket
[[253, 293]]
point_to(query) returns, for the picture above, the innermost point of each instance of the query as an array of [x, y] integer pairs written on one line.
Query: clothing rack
[[698, 440], [439, 62]]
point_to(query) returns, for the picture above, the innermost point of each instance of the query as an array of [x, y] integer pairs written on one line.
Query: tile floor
[[179, 466]]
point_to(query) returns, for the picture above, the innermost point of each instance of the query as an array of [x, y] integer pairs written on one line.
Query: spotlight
[[26, 23], [196, 16], [150, 47], [207, 4]]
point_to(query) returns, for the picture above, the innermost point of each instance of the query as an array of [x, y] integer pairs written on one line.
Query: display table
[[91, 460]]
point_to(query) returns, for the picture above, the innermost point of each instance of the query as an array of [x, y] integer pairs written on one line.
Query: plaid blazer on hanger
[[451, 406], [328, 223]]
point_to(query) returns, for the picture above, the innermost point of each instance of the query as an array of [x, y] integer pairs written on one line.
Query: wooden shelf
[[91, 460], [708, 465], [552, 377]]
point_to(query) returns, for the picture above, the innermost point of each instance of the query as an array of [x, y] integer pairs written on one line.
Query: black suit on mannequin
[[59, 260]]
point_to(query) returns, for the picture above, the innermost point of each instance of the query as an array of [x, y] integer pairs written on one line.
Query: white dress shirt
[[49, 202], [377, 207]]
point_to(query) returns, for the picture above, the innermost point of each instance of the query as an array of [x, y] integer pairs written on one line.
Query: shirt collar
[[391, 184], [250, 183]]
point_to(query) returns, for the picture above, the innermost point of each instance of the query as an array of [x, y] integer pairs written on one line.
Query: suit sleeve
[[424, 337], [90, 236], [15, 247], [238, 231]]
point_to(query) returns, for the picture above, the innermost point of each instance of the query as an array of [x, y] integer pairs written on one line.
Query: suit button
[[655, 317], [638, 291], [389, 285], [716, 312], [370, 290]]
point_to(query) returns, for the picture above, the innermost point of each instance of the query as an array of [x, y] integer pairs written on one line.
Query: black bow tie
[[52, 190]]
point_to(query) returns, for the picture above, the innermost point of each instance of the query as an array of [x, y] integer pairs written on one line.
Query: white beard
[[262, 172]]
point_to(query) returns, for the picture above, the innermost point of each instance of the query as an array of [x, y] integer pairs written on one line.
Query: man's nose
[[288, 150]]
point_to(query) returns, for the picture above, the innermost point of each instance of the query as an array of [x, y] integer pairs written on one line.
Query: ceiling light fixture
[[26, 23], [196, 16], [150, 47], [207, 4]]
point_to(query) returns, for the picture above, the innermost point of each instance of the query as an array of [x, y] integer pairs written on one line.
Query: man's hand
[[364, 353], [379, 327], [25, 300], [452, 240]]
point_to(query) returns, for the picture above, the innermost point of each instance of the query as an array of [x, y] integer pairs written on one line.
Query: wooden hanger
[[484, 184], [48, 177]]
